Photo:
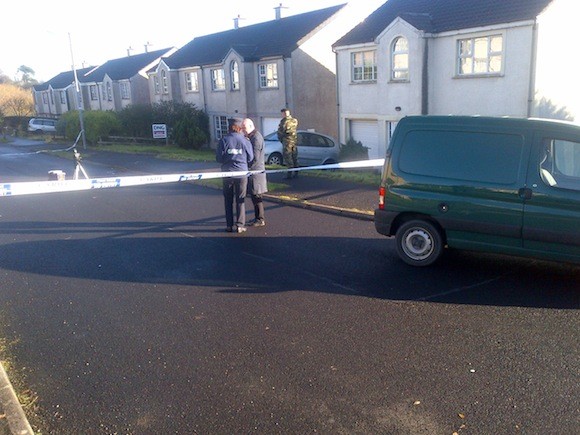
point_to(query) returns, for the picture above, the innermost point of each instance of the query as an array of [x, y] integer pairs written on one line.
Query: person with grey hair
[[234, 152], [257, 183]]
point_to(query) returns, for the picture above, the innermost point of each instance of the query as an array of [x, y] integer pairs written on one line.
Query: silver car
[[42, 125], [313, 149]]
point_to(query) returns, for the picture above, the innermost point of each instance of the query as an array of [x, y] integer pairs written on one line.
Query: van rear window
[[471, 156]]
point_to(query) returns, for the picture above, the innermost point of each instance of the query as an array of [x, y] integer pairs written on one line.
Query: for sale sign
[[159, 131]]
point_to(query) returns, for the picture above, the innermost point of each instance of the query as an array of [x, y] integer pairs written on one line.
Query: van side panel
[[466, 178]]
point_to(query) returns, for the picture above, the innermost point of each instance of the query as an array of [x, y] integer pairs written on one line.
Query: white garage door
[[366, 132], [270, 125]]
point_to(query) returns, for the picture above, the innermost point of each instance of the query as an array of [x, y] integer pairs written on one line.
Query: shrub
[[97, 124], [352, 151]]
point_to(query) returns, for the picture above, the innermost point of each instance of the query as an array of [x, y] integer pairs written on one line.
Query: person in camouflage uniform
[[287, 135]]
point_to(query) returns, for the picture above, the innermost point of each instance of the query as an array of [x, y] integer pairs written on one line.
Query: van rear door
[[552, 213]]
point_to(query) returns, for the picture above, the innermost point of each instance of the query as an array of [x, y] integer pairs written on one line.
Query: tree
[[4, 78], [27, 79], [15, 101]]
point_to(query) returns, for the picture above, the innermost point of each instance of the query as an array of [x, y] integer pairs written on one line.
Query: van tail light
[[381, 198]]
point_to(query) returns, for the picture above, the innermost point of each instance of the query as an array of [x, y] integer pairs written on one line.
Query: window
[[218, 79], [51, 95], [62, 97], [480, 55], [93, 92], [268, 74], [221, 126], [125, 93], [191, 83], [235, 76], [164, 81], [364, 66], [560, 165], [44, 98], [109, 92], [156, 84], [468, 155], [400, 60]]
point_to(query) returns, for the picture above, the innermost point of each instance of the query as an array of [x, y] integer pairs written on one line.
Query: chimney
[[129, 50], [147, 45], [278, 10], [237, 22]]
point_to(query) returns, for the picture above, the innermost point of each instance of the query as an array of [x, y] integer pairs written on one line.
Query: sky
[[49, 36]]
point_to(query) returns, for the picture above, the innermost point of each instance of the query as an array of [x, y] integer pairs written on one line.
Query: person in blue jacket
[[234, 152]]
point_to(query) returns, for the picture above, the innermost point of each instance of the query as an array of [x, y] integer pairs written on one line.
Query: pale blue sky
[[38, 34]]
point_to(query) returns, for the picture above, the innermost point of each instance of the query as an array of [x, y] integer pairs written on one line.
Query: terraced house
[[464, 57]]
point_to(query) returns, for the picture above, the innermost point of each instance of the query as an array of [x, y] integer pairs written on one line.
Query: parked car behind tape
[[313, 149], [42, 125]]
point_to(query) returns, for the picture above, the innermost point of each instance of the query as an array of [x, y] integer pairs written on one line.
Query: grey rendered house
[[256, 70], [463, 57], [121, 82], [57, 95]]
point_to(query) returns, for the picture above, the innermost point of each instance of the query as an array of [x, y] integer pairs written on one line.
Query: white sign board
[[159, 131]]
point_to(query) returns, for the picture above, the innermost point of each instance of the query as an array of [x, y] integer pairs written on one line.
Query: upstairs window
[[164, 81], [62, 97], [93, 92], [125, 92], [268, 74], [156, 84], [235, 76], [109, 92], [364, 66], [218, 79], [400, 59], [480, 56], [191, 82]]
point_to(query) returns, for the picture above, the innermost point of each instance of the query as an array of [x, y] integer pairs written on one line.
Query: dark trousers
[[234, 190], [258, 206]]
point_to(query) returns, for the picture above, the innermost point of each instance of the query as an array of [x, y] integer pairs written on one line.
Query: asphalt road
[[132, 311]]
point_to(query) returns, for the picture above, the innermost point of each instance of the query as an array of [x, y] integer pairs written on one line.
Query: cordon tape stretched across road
[[54, 186]]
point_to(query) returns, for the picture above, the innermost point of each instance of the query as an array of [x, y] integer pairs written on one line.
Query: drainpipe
[[339, 129], [533, 62], [425, 78]]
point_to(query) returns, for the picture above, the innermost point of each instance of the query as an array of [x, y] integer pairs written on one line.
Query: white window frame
[[93, 92], [220, 126], [364, 66], [235, 75], [156, 84], [45, 97], [191, 81], [470, 63], [62, 97], [125, 91], [400, 55], [164, 84], [268, 75], [218, 80], [109, 91]]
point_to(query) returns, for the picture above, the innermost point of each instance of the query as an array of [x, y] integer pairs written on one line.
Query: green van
[[502, 185]]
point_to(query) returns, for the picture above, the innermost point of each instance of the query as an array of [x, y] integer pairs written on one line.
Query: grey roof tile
[[435, 16]]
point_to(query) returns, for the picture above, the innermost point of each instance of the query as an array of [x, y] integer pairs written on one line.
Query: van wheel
[[419, 243]]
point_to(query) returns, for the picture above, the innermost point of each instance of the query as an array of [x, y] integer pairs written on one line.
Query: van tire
[[419, 242]]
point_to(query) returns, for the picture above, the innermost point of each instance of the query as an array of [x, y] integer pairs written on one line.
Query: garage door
[[366, 132], [270, 125]]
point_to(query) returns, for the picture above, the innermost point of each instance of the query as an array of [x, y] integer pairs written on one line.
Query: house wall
[[557, 93], [503, 95]]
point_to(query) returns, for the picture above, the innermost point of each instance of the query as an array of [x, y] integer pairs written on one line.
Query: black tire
[[275, 159], [419, 243]]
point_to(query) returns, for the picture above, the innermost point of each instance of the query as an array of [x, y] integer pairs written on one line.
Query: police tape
[[56, 186]]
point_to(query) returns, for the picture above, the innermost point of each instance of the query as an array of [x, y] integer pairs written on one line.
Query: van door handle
[[525, 193]]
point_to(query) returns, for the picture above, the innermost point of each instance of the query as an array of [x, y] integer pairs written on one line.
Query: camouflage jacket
[[287, 128]]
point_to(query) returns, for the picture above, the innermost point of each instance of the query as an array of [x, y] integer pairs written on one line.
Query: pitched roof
[[436, 16], [124, 67], [63, 79], [272, 38]]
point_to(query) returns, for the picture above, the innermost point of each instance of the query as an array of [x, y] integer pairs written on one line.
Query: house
[[111, 86], [464, 57], [121, 82], [58, 95], [255, 71]]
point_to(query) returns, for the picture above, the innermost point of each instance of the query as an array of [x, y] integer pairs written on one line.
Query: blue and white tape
[[55, 186]]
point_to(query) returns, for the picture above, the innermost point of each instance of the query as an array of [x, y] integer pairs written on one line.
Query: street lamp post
[[78, 94]]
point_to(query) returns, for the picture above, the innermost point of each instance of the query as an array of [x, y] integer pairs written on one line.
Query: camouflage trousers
[[290, 154]]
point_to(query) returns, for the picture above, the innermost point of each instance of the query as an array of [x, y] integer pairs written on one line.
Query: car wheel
[[419, 243], [39, 132], [275, 159]]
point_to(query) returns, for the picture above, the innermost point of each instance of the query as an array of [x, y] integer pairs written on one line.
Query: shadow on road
[[200, 254]]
